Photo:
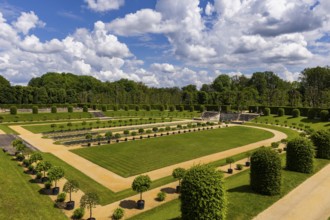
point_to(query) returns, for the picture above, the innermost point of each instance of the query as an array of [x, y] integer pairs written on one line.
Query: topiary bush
[[295, 113], [161, 196], [172, 108], [70, 109], [280, 112], [321, 140], [137, 108], [191, 108], [104, 108], [311, 114], [299, 155], [85, 108], [203, 194], [35, 109], [61, 197], [118, 214], [324, 115], [53, 109], [266, 111], [265, 174], [13, 110], [78, 213]]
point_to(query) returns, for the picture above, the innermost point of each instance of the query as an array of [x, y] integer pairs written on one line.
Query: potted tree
[[108, 136], [140, 185], [230, 160], [89, 201], [69, 187], [35, 157], [43, 166], [55, 174], [178, 173], [248, 155]]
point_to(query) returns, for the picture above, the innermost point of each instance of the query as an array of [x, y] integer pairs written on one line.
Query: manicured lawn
[[29, 117], [7, 130], [131, 158], [20, 199], [288, 131], [274, 119], [87, 184], [243, 202], [153, 113]]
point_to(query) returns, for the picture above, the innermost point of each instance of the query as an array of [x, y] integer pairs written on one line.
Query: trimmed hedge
[[203, 194], [265, 174], [266, 112], [53, 109], [324, 115], [299, 155], [280, 112], [35, 110], [311, 114], [321, 140], [13, 110], [295, 113]]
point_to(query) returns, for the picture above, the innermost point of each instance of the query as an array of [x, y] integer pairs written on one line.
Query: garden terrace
[[131, 158], [229, 116], [211, 116], [247, 116]]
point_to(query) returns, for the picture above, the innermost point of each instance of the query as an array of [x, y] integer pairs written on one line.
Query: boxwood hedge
[[321, 140]]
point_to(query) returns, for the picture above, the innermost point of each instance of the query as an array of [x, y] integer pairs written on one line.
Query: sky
[[162, 43]]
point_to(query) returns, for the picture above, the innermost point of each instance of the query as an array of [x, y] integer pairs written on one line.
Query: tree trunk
[[141, 196], [90, 212]]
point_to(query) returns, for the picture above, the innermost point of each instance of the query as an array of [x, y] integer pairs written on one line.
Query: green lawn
[[20, 199], [289, 121], [288, 131], [153, 113], [131, 158], [243, 203], [29, 117], [7, 130]]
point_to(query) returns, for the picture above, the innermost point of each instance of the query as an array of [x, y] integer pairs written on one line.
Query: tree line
[[262, 88]]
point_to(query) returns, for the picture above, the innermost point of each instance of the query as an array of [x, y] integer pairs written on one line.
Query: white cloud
[[209, 9], [104, 5], [27, 21]]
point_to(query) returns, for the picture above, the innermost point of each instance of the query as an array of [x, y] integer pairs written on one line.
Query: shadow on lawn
[[242, 189]]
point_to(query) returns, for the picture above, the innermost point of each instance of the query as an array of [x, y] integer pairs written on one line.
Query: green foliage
[[321, 140], [43, 166], [126, 132], [71, 186], [35, 157], [89, 201], [53, 109], [117, 136], [265, 174], [275, 144], [203, 195], [266, 111], [78, 213], [172, 108], [161, 108], [191, 108], [299, 155], [178, 173], [141, 184], [118, 214], [295, 113], [70, 108], [85, 108], [104, 108], [324, 115], [311, 114], [229, 161], [61, 197], [161, 196], [154, 129], [35, 109], [55, 174], [137, 108], [13, 110], [126, 108], [280, 112], [181, 108], [148, 108], [48, 185], [239, 166]]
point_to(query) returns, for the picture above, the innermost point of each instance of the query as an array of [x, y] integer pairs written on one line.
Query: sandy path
[[115, 182], [2, 132], [310, 200]]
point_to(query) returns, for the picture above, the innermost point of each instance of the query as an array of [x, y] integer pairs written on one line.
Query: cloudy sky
[[162, 43]]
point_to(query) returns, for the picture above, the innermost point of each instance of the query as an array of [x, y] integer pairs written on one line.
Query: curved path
[[117, 183]]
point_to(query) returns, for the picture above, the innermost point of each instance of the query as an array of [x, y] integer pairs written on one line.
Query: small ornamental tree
[[126, 132], [35, 110], [89, 138], [108, 136], [295, 113], [89, 201], [35, 157], [265, 174], [230, 160], [324, 115], [321, 140], [71, 186], [55, 174], [141, 130], [299, 155], [266, 111], [141, 184], [43, 166], [53, 109], [104, 108], [13, 110], [178, 173], [203, 194], [280, 112]]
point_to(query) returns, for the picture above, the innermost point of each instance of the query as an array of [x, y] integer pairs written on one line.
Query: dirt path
[[310, 200], [115, 182]]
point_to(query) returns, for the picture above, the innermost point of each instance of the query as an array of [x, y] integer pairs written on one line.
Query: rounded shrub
[[161, 108], [13, 110], [191, 108], [104, 108], [34, 109], [265, 174], [203, 194], [126, 108], [53, 109], [172, 108], [161, 196], [78, 213], [280, 112], [85, 108], [118, 214], [148, 108], [266, 111], [324, 115], [70, 109], [295, 113], [61, 197], [181, 108], [137, 108], [299, 155], [321, 140], [115, 108]]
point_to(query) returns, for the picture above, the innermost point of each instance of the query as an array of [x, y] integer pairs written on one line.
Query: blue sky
[[162, 43]]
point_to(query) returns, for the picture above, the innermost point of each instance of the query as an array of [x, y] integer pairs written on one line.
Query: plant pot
[[247, 163], [56, 190], [178, 189], [70, 205], [230, 171], [140, 204]]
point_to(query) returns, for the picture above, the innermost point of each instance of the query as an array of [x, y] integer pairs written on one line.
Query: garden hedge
[[300, 155], [35, 110], [295, 113], [266, 112], [280, 112], [321, 140], [13, 110], [324, 115], [53, 109], [203, 195], [265, 174]]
